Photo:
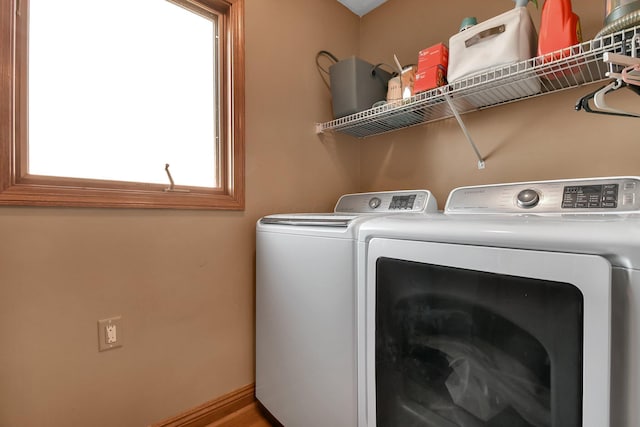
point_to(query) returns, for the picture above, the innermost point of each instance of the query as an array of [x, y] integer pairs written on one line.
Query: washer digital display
[[590, 196], [402, 202]]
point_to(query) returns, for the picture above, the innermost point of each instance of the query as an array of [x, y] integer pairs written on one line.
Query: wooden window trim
[[19, 188]]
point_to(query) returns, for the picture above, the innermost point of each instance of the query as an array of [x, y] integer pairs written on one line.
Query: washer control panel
[[588, 195], [387, 202]]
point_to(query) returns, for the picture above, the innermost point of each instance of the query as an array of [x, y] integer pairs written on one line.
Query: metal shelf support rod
[[464, 129]]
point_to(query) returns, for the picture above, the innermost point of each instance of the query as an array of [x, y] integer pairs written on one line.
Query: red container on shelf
[[559, 30]]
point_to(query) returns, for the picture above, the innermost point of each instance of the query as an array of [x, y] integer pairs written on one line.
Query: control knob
[[374, 202], [528, 198]]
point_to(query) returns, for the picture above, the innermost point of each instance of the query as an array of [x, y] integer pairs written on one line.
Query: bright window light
[[118, 89]]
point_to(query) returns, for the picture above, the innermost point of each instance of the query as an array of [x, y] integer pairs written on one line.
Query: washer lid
[[310, 220]]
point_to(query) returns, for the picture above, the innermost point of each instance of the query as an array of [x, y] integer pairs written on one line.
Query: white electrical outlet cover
[[109, 333]]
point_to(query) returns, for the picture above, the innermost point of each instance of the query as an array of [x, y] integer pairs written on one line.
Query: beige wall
[[540, 138], [182, 280]]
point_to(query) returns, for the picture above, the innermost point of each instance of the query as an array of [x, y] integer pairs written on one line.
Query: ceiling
[[362, 7]]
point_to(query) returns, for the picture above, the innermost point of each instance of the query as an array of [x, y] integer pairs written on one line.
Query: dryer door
[[476, 336]]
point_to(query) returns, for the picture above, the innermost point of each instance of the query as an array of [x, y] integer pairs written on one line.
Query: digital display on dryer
[[402, 202], [590, 196]]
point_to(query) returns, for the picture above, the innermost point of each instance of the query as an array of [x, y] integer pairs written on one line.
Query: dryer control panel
[[387, 202], [587, 195]]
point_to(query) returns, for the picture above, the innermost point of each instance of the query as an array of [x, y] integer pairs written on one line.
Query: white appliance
[[305, 307], [518, 307]]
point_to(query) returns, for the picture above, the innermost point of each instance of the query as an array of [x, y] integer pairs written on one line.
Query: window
[[94, 136]]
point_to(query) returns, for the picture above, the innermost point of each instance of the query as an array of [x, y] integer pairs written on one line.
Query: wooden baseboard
[[213, 410]]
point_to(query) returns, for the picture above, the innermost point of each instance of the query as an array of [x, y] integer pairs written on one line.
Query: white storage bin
[[502, 40]]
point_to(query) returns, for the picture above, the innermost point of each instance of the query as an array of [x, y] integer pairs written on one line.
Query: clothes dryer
[[520, 306], [306, 371]]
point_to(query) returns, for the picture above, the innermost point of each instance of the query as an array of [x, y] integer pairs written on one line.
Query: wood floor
[[249, 416]]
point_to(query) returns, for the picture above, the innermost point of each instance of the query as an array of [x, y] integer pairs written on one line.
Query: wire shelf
[[564, 69]]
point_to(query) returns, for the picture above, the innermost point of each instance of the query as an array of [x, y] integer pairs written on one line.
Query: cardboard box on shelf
[[430, 78], [407, 79], [432, 67], [433, 56]]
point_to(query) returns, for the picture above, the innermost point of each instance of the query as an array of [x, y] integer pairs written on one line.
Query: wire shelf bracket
[[464, 129]]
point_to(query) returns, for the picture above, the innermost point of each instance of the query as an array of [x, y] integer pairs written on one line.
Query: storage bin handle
[[484, 35], [379, 65]]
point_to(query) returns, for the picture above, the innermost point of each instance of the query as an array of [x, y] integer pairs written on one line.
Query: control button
[[527, 198], [374, 202]]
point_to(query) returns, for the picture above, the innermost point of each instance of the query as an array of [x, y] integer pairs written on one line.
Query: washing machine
[[306, 370], [519, 307]]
